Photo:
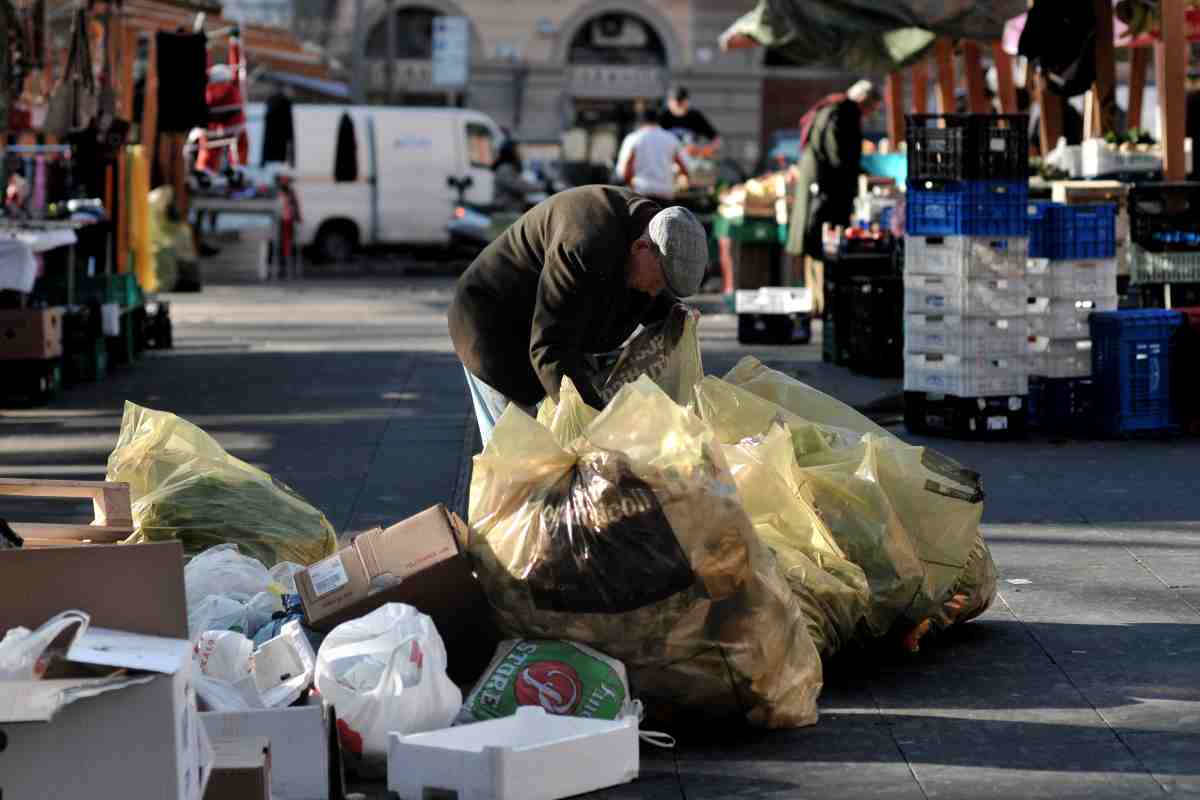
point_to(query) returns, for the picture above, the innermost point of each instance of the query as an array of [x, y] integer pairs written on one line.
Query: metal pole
[[357, 54], [390, 66]]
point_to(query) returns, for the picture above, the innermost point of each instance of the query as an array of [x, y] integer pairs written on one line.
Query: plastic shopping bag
[[633, 541], [386, 673], [25, 655], [227, 591], [185, 486], [667, 352], [569, 418]]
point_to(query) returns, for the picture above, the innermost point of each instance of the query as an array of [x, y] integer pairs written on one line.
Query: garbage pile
[[699, 548]]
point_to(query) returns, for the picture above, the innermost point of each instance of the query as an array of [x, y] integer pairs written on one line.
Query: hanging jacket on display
[[1060, 39], [278, 134], [181, 102]]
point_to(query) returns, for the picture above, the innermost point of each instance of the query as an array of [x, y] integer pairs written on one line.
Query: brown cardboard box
[[129, 587], [30, 333], [424, 553], [241, 769]]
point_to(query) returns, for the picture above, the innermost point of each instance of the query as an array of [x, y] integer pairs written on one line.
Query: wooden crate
[[112, 516]]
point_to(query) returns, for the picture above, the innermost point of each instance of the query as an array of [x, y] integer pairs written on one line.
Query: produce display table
[[233, 265]]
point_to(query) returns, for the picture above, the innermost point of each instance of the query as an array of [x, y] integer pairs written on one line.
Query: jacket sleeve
[[845, 151], [567, 291]]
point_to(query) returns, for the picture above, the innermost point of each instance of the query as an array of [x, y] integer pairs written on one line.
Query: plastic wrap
[[185, 486], [570, 417], [633, 540]]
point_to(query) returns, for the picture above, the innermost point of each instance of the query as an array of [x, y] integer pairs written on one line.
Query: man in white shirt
[[646, 159]]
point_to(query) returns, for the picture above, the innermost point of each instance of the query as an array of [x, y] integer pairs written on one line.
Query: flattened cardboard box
[[300, 759], [424, 553], [241, 769]]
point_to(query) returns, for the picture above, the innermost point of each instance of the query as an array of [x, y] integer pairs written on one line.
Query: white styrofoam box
[[1060, 358], [964, 336], [1065, 319], [972, 297], [1070, 279], [965, 376], [531, 755], [773, 300], [971, 256], [1099, 159]]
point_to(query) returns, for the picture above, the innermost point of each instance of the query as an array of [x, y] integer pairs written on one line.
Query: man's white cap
[[862, 90], [681, 240]]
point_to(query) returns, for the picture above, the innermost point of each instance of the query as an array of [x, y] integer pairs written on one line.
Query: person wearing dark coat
[[572, 278], [827, 176]]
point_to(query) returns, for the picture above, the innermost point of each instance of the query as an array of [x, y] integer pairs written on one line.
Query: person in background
[[511, 187], [647, 158], [571, 278], [687, 123], [831, 135]]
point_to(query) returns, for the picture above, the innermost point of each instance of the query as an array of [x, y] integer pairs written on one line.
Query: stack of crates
[[1164, 249], [965, 297], [1072, 272], [1132, 370]]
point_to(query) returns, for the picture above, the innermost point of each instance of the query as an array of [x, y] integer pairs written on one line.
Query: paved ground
[[1082, 681]]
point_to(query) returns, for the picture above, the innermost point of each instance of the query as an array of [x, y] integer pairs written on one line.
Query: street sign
[[451, 51]]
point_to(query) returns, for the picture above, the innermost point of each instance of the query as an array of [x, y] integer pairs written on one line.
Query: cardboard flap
[[39, 701], [409, 546], [111, 648]]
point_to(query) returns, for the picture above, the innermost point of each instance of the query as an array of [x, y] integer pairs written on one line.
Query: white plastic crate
[[965, 377], [1060, 358], [1147, 267], [964, 336], [971, 297], [970, 256], [1065, 319], [1071, 279], [529, 756]]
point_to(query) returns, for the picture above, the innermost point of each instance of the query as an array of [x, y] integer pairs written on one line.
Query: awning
[[866, 35], [332, 89]]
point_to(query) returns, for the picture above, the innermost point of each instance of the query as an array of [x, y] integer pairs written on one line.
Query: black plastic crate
[[966, 417], [1165, 216], [968, 146], [1154, 295], [1065, 406], [774, 328], [877, 326]]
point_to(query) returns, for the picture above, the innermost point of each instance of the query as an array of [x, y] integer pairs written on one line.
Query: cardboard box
[[423, 553], [241, 769], [30, 333], [133, 733], [300, 740]]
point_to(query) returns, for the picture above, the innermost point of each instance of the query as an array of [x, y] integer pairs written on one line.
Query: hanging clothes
[[227, 103], [279, 138], [183, 76], [345, 165], [1060, 38]]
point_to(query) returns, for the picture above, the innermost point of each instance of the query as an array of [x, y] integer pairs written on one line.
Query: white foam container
[[1065, 319], [965, 377], [529, 756], [1060, 358], [964, 336], [969, 297], [1072, 279], [966, 256]]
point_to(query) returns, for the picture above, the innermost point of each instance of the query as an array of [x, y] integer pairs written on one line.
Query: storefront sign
[[451, 51]]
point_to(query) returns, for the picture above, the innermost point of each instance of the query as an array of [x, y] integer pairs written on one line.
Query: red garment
[[806, 122], [227, 113]]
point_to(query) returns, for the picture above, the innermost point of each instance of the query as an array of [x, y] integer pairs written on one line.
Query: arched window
[[617, 40], [414, 34]]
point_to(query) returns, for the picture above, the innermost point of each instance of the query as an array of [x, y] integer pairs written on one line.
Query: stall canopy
[[866, 35]]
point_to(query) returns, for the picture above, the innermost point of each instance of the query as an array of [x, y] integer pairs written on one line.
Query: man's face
[[644, 269], [678, 107]]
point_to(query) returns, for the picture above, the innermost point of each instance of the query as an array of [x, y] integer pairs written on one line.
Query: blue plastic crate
[[1131, 365], [967, 208], [1069, 232]]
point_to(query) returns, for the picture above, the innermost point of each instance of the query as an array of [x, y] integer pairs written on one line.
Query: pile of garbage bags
[[721, 542]]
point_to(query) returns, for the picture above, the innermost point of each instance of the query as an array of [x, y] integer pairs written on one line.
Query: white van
[[404, 156]]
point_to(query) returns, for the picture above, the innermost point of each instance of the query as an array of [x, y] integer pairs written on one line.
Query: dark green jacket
[[551, 290], [831, 163]]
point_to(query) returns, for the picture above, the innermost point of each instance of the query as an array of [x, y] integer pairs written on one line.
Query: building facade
[[540, 67]]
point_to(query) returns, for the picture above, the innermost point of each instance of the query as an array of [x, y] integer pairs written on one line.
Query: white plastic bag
[[217, 613], [22, 651], [284, 574], [233, 675], [223, 570], [386, 673], [224, 655]]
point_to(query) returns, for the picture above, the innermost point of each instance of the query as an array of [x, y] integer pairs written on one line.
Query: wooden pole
[[977, 100], [943, 54], [920, 86], [390, 30], [1004, 75], [1105, 88], [893, 91], [1171, 74], [1138, 61], [1052, 114]]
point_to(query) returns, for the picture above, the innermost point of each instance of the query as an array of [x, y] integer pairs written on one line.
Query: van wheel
[[337, 242]]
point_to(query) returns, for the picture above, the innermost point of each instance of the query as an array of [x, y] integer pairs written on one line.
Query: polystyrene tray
[[529, 756]]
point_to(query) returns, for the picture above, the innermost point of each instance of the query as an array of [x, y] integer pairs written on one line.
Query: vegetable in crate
[[185, 486]]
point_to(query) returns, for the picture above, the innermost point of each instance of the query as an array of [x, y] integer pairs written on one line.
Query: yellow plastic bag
[[569, 418], [833, 591], [633, 540], [667, 352], [185, 486]]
